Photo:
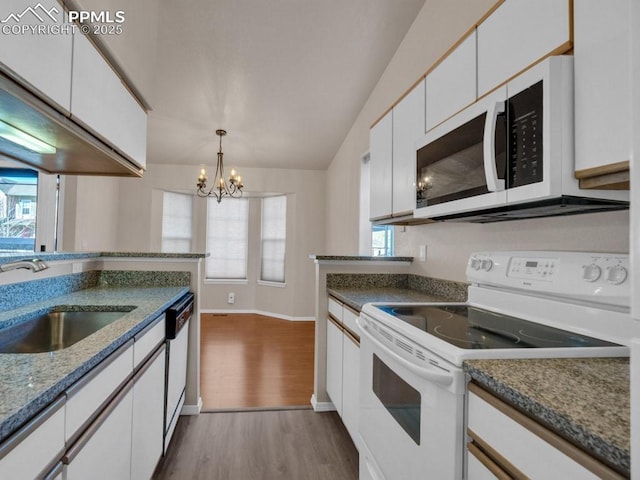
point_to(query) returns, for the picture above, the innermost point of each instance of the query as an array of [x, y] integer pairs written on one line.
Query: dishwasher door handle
[[443, 379]]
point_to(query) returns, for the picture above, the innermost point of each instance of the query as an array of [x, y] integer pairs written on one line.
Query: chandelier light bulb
[[220, 187]]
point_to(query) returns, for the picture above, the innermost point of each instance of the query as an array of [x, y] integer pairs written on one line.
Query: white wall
[[90, 218], [437, 27], [112, 214]]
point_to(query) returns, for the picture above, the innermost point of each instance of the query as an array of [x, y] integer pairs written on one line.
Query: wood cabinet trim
[[335, 321], [564, 48], [500, 463], [578, 455], [351, 336], [616, 167], [488, 462]]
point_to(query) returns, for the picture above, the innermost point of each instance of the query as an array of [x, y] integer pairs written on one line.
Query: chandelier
[[220, 187]]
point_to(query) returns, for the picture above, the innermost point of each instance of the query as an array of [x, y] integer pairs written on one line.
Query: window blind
[[274, 235], [177, 222], [227, 238]]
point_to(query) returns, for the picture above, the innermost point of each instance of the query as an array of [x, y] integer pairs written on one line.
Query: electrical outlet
[[423, 253], [231, 297]]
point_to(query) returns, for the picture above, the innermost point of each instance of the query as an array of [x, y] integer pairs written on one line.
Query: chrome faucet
[[35, 265]]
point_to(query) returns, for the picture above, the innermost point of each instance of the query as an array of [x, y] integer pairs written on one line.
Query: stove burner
[[540, 339], [471, 327]]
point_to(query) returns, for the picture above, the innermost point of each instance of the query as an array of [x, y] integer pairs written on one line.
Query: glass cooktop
[[476, 328]]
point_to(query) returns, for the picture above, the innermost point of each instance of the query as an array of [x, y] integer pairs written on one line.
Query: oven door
[[461, 163], [411, 414]]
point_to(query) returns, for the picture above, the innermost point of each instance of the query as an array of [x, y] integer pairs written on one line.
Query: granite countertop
[[356, 297], [29, 382], [359, 258], [584, 400], [7, 257]]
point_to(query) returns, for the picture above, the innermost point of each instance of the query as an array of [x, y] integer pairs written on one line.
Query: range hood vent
[[77, 152], [563, 205]]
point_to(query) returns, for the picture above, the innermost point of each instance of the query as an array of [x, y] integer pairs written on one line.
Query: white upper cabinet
[[42, 61], [451, 86], [381, 157], [602, 83], [516, 35], [101, 102], [408, 127]]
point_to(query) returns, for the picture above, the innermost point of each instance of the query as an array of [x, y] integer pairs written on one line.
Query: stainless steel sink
[[55, 330]]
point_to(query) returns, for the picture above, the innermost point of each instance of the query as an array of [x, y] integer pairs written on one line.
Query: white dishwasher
[[177, 317]]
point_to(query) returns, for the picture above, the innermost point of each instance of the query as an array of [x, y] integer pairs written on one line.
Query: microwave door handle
[[494, 184], [427, 373]]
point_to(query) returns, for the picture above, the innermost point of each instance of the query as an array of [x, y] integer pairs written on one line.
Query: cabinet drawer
[[349, 320], [35, 447], [518, 443], [147, 340], [335, 309], [89, 395]]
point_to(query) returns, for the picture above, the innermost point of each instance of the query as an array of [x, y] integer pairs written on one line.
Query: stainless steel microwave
[[509, 155]]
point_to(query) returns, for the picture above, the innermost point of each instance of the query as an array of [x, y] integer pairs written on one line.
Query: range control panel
[[583, 275]]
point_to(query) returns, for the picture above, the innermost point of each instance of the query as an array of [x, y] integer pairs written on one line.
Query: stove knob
[[487, 265], [616, 274], [476, 263], [591, 273]]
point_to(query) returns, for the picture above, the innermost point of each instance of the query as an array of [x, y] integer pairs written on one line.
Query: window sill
[[226, 281], [271, 284]]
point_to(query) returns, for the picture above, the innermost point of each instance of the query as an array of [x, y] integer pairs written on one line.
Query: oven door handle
[[426, 373]]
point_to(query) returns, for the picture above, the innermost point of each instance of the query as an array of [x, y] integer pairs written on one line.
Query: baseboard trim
[[322, 406], [259, 312], [192, 409]]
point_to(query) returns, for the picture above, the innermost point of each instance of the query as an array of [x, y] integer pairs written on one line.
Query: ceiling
[[285, 78]]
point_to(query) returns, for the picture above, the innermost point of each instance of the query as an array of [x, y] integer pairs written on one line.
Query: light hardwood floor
[[265, 445], [254, 361]]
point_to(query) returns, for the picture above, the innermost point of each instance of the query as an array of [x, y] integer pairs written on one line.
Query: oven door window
[[399, 398]]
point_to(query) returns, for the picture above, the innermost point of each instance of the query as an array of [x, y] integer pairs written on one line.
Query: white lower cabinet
[[30, 452], [505, 443], [334, 365], [350, 385], [108, 425], [343, 365], [148, 415], [103, 451]]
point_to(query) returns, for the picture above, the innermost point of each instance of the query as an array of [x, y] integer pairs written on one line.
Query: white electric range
[[520, 305]]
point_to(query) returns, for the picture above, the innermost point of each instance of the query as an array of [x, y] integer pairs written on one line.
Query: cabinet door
[[381, 154], [101, 102], [408, 127], [451, 86], [148, 413], [516, 443], [518, 34], [350, 387], [28, 452], [334, 365], [602, 83], [40, 61], [103, 452]]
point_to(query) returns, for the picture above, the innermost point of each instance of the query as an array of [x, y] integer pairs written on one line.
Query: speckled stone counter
[[584, 400], [358, 258], [29, 382], [357, 289], [7, 257]]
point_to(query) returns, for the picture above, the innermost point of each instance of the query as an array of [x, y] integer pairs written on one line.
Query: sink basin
[[55, 330]]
